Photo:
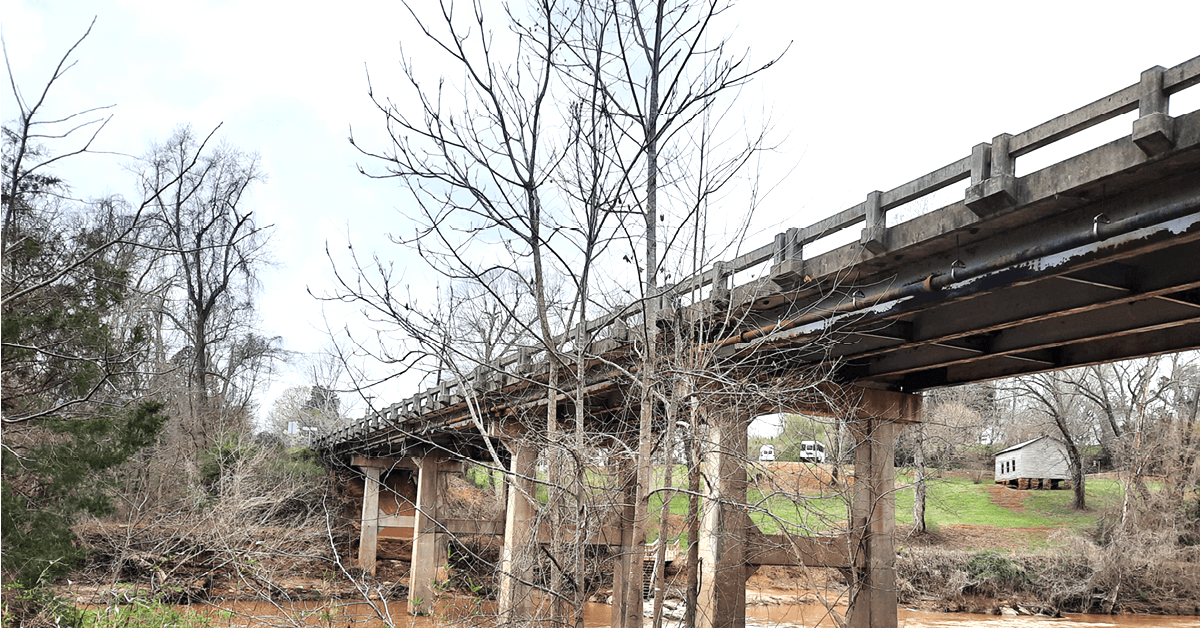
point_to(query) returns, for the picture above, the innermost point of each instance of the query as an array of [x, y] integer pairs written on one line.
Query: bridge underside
[[730, 548], [1108, 297]]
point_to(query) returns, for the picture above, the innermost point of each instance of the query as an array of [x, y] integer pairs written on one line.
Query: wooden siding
[[1043, 458]]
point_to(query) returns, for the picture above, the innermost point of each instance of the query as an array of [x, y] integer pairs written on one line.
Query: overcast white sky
[[869, 96]]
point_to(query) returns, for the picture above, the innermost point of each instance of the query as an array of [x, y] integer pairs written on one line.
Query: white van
[[766, 453], [812, 451]]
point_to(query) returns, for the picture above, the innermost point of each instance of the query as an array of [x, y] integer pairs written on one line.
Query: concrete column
[[425, 548], [722, 600], [369, 535], [627, 572], [516, 560], [873, 513]]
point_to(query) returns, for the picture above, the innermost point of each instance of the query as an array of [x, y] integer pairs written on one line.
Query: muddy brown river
[[256, 614]]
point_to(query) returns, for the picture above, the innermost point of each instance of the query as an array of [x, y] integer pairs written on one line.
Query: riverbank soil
[[972, 567]]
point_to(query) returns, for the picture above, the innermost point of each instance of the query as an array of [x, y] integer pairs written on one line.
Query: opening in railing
[[1076, 144], [835, 240], [930, 202], [1185, 101]]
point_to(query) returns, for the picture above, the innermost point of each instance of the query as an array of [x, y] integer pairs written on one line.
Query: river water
[[361, 615], [812, 615]]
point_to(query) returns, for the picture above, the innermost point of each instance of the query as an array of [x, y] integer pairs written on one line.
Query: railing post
[[993, 183], [874, 234], [1154, 130], [788, 267], [720, 284], [524, 360]]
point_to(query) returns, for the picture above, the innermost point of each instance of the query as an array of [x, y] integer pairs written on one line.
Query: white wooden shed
[[1038, 463]]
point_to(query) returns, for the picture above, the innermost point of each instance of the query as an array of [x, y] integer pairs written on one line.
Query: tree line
[[128, 319]]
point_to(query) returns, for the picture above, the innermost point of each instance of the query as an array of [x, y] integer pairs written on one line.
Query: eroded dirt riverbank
[[468, 612]]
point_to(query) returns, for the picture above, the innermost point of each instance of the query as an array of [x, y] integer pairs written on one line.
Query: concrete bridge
[[1092, 259]]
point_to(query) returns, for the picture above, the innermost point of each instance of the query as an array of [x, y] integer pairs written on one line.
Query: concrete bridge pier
[[369, 532], [627, 570], [516, 561], [425, 554], [723, 528], [726, 526], [419, 514], [881, 414]]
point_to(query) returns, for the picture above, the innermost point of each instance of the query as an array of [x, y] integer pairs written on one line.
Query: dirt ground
[[800, 476]]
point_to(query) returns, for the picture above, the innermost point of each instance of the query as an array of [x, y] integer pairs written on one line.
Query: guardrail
[[990, 168]]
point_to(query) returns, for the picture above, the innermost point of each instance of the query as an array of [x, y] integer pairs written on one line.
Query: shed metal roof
[[1020, 445]]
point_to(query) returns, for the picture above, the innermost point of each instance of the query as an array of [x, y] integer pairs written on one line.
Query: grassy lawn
[[952, 501], [815, 513]]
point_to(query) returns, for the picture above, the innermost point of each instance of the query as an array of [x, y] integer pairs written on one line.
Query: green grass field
[[950, 501]]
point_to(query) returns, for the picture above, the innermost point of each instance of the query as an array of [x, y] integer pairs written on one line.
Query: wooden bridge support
[[516, 563]]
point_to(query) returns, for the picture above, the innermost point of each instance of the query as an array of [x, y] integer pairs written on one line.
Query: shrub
[[300, 463], [221, 456], [991, 572], [55, 481], [39, 606]]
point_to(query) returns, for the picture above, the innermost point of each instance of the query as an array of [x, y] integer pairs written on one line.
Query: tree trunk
[[693, 520], [920, 484], [660, 556], [1079, 499]]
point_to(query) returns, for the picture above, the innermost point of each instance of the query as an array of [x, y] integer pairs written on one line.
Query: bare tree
[[1181, 460], [211, 249], [67, 266], [508, 183], [951, 431], [1051, 397]]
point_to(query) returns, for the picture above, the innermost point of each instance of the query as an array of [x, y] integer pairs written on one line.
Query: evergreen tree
[[56, 479]]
